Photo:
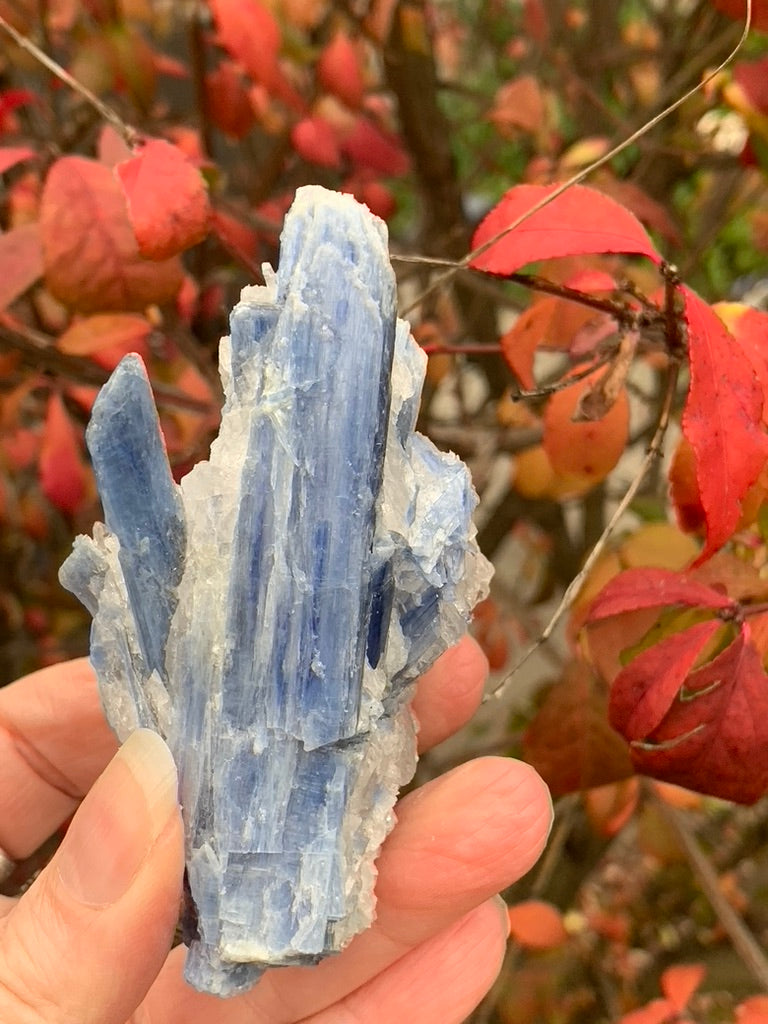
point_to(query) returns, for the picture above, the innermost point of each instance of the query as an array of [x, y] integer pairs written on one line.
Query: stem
[[743, 940], [617, 309], [39, 352], [563, 382], [128, 133], [573, 588], [198, 63], [461, 350]]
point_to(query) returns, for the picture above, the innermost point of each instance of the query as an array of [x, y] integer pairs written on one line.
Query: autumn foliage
[[593, 345]]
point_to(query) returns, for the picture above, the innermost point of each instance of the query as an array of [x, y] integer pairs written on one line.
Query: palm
[[438, 938]]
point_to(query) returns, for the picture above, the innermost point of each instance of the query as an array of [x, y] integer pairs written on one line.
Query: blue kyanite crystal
[[268, 615]]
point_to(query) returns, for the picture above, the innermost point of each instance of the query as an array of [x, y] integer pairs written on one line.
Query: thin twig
[[128, 133], [575, 179], [197, 52], [613, 307], [573, 588], [461, 350], [38, 351], [561, 383], [742, 938], [565, 817]]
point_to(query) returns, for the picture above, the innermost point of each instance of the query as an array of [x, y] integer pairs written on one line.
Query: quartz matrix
[[268, 615]]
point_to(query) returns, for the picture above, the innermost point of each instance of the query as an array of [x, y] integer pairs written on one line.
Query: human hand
[[88, 942]]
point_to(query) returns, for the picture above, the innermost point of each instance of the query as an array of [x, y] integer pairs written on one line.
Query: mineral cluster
[[268, 615]]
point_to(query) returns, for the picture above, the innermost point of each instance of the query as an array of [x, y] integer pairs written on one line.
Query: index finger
[[55, 741]]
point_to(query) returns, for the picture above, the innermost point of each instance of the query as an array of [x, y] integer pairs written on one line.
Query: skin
[[96, 950]]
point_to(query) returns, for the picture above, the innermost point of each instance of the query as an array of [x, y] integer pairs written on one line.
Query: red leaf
[[12, 99], [642, 693], [107, 337], [738, 9], [61, 467], [315, 141], [535, 21], [752, 77], [21, 262], [227, 101], [721, 420], [653, 588], [377, 197], [369, 146], [167, 200], [650, 213], [569, 742], [250, 32], [339, 70], [234, 234], [579, 221], [12, 155], [678, 983], [749, 328], [715, 738], [92, 261]]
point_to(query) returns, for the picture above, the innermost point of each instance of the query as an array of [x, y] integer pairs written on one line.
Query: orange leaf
[[21, 262], [610, 807], [659, 1011], [107, 337], [61, 467], [587, 450], [520, 104], [753, 1011], [167, 200], [520, 342], [678, 983], [537, 925], [92, 261]]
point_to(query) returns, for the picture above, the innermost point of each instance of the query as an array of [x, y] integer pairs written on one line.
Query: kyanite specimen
[[268, 615]]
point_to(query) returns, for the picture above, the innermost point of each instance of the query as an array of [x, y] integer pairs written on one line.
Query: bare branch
[[742, 938], [128, 133]]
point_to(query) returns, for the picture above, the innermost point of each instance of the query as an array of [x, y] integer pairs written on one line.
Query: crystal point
[[268, 615]]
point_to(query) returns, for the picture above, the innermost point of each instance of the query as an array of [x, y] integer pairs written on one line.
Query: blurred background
[[428, 112]]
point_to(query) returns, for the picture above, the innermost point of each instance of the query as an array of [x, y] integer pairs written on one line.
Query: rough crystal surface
[[268, 615]]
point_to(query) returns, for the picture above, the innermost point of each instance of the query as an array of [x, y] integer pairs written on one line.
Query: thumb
[[89, 937]]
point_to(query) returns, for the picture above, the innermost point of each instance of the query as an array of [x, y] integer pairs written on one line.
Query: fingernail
[[504, 911], [119, 821]]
